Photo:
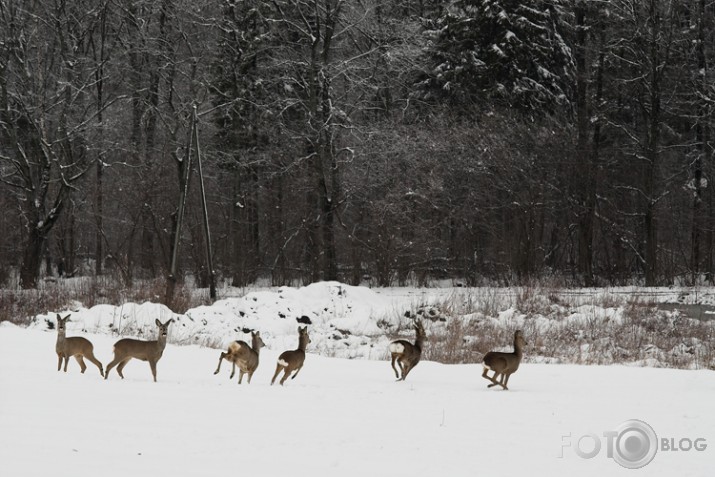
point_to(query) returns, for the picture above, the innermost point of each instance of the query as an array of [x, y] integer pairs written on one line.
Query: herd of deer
[[240, 354]]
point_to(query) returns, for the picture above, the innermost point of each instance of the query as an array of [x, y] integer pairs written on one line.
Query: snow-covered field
[[338, 417], [347, 416]]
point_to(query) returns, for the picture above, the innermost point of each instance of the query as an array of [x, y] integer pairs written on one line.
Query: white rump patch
[[397, 348], [487, 367], [283, 363]]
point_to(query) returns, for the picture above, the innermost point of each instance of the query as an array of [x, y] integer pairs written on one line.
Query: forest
[[387, 141]]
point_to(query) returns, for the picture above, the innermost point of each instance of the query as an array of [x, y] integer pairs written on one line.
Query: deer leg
[[485, 372], [152, 364], [484, 375], [406, 371], [249, 377], [121, 367], [240, 376], [494, 380], [80, 360], [59, 361], [233, 370], [111, 364], [286, 373], [296, 372], [505, 379], [90, 356], [114, 363], [402, 369], [394, 357], [219, 362], [278, 370], [67, 361]]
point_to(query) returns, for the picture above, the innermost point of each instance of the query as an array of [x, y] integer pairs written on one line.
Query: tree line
[[381, 140]]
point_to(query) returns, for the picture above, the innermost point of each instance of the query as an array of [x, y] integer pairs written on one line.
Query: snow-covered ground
[[338, 417], [344, 414]]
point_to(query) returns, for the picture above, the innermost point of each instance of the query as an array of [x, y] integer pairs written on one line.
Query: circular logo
[[635, 445]]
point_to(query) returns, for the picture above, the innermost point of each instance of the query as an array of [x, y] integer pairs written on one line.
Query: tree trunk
[[237, 250], [704, 150], [583, 176], [328, 175], [32, 259], [652, 155]]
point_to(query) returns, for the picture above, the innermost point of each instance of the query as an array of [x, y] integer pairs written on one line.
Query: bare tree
[[644, 52], [45, 125]]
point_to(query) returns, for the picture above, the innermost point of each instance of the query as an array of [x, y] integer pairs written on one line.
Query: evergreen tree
[[510, 51]]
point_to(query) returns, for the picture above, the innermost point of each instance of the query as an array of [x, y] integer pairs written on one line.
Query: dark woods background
[[489, 140]]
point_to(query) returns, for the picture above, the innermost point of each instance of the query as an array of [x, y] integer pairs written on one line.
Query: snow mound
[[344, 321]]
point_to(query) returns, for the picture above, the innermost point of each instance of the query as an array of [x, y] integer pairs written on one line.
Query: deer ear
[[59, 318], [158, 323]]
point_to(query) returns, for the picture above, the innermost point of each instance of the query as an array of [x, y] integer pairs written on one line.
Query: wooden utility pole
[[207, 232], [171, 283], [193, 142]]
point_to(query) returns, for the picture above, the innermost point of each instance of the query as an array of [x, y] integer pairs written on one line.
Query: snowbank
[[344, 320], [571, 326]]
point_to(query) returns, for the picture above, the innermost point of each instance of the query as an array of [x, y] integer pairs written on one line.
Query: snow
[[498, 51], [344, 318], [338, 417], [345, 414], [359, 322]]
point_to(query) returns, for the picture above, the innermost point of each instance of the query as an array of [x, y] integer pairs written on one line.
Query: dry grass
[[612, 331], [21, 306]]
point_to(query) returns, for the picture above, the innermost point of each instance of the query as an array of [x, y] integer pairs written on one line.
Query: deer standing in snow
[[75, 346], [292, 360], [407, 354], [504, 364], [128, 348], [246, 357]]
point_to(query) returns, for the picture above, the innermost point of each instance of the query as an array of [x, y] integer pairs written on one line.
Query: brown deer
[[128, 348], [75, 346], [407, 354], [504, 364], [246, 357], [292, 360]]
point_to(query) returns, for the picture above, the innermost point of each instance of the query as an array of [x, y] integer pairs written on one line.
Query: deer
[[75, 346], [408, 354], [504, 364], [128, 348], [292, 360], [245, 356]]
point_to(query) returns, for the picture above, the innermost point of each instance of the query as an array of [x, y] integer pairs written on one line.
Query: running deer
[[292, 360], [407, 354], [504, 364], [75, 346], [128, 348], [246, 357]]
